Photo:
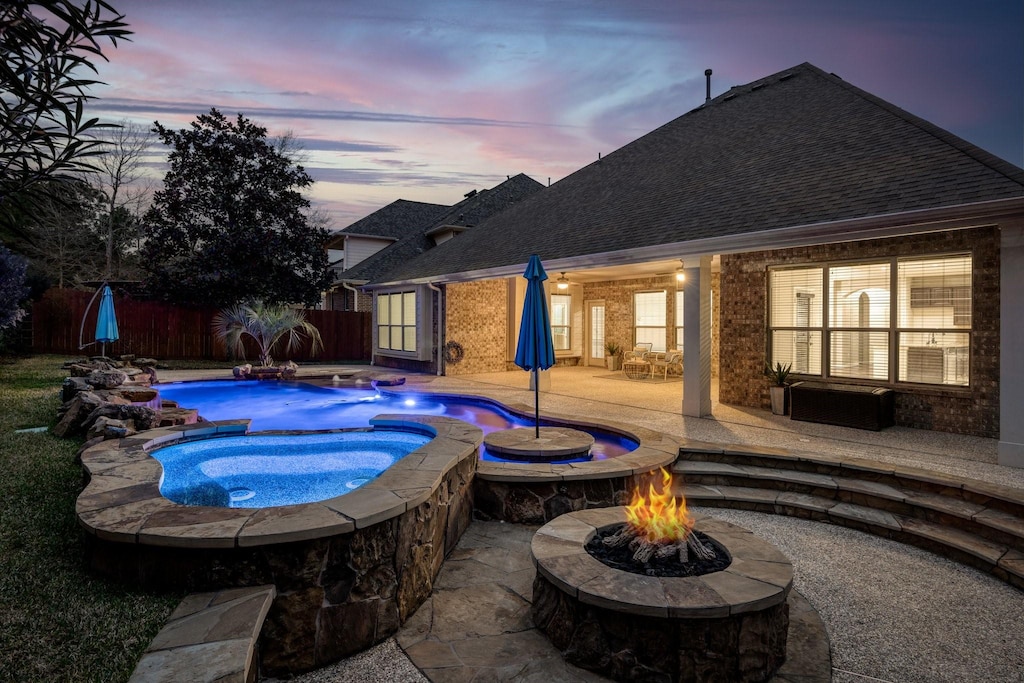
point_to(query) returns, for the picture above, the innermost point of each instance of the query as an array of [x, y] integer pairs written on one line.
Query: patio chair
[[639, 352], [666, 361]]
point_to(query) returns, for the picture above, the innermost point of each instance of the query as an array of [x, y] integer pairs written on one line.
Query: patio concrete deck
[[893, 612]]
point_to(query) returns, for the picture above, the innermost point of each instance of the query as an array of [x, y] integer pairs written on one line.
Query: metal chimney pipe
[[707, 76]]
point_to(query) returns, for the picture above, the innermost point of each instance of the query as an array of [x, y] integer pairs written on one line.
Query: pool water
[[298, 405], [258, 471]]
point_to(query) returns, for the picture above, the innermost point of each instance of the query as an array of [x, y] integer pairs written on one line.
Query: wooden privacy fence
[[164, 331]]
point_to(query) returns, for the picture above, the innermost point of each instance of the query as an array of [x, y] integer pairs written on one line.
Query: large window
[[848, 318], [649, 319], [396, 321], [561, 321]]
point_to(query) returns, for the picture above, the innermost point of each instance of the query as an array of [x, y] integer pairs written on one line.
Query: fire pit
[[729, 624]]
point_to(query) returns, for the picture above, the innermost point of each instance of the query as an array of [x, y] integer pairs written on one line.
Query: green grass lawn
[[58, 621]]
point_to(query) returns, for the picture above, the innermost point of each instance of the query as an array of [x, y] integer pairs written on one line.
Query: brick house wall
[[618, 311], [743, 320], [476, 316], [618, 306]]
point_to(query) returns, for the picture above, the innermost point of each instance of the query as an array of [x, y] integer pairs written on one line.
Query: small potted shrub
[[612, 358], [779, 376]]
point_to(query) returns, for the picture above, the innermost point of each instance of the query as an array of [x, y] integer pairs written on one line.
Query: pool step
[[210, 637], [972, 522]]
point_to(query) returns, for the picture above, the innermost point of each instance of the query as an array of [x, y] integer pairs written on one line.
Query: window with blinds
[[396, 321], [561, 317], [649, 319], [934, 320], [848, 317], [795, 318], [858, 298]]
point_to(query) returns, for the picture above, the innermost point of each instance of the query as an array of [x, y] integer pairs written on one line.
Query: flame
[[659, 517]]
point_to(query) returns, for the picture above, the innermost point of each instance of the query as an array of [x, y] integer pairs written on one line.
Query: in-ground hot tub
[[348, 570], [266, 470]]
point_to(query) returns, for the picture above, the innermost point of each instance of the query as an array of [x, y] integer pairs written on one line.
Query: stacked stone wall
[[970, 410], [335, 596]]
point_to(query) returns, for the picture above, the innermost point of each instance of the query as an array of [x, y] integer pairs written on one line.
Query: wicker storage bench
[[846, 405]]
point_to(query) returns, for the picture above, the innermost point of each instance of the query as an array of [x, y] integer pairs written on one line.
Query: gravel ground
[[895, 612]]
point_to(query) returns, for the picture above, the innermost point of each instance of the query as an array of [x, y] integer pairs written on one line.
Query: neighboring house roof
[[393, 222], [474, 209], [800, 147]]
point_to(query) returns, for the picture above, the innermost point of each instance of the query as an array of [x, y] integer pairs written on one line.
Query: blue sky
[[429, 100]]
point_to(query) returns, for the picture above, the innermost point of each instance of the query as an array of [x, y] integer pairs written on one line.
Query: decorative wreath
[[453, 352]]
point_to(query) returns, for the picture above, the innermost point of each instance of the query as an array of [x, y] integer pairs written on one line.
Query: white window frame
[[893, 330], [567, 326], [659, 340], [418, 330]]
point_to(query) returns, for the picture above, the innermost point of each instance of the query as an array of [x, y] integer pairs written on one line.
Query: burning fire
[[659, 517]]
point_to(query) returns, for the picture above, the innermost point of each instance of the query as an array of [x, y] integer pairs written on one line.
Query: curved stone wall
[[348, 571]]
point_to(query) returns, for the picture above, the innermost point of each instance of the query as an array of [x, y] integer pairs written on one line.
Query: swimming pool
[[257, 471], [299, 405]]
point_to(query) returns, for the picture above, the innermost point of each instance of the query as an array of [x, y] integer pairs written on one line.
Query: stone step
[[993, 512], [992, 496], [1004, 561], [209, 637]]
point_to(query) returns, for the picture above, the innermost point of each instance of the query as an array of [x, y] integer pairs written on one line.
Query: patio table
[[636, 369]]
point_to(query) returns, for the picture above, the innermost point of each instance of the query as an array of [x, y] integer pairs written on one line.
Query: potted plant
[[779, 376], [612, 358]]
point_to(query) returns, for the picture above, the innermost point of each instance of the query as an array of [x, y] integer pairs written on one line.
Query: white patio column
[[697, 337], [1011, 345]]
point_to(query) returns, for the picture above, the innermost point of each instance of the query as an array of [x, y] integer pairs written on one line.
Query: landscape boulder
[[76, 414], [106, 379], [111, 428]]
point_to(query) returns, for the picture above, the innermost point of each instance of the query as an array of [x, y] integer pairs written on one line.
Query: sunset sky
[[425, 100]]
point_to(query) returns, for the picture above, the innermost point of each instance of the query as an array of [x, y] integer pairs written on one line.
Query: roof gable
[[796, 148], [475, 208], [393, 221]]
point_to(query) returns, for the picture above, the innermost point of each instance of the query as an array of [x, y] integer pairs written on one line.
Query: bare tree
[[121, 180], [64, 233]]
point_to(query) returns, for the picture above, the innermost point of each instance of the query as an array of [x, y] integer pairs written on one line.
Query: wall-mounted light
[[562, 282], [680, 273]]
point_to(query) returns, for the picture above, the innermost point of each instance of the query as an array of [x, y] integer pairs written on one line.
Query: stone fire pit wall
[[730, 625], [537, 493], [348, 571]]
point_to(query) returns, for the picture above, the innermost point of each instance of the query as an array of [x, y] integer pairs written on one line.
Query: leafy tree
[[12, 288], [268, 326], [230, 223], [45, 45]]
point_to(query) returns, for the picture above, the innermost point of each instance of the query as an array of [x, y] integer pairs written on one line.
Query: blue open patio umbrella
[[536, 350], [106, 320]]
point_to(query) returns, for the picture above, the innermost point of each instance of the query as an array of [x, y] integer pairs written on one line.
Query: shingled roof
[[474, 209], [800, 147], [394, 221]]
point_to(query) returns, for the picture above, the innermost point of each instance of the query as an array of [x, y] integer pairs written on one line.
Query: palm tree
[[267, 325]]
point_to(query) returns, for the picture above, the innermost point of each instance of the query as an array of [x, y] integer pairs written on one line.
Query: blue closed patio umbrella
[[536, 350], [106, 320]]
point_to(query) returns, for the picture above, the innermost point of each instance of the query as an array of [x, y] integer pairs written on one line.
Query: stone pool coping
[[655, 449], [122, 501], [758, 577]]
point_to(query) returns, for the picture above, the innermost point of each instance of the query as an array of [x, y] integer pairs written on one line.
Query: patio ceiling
[[628, 271]]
